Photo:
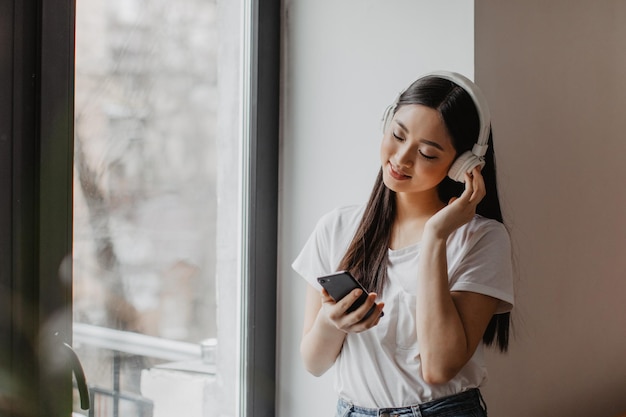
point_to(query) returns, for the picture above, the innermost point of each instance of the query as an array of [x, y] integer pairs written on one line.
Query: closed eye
[[425, 156]]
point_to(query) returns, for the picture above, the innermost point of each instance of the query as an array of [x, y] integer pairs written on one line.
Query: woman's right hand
[[355, 321], [326, 326]]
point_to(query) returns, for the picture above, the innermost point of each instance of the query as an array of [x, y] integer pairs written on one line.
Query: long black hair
[[366, 257]]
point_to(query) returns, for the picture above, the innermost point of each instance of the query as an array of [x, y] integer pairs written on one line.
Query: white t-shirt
[[381, 367]]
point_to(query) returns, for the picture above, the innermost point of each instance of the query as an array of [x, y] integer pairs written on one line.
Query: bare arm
[[449, 324], [326, 326]]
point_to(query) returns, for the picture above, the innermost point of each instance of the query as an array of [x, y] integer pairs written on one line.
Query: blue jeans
[[466, 404]]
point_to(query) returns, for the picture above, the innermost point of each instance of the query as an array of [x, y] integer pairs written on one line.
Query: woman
[[431, 251]]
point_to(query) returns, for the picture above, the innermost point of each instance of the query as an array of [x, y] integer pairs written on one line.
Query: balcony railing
[[184, 356]]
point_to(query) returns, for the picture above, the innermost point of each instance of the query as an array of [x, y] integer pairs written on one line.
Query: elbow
[[437, 377], [441, 367], [312, 364], [314, 368], [439, 373], [315, 371]]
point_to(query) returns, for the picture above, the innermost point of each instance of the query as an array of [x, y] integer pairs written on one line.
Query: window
[[146, 194], [119, 171]]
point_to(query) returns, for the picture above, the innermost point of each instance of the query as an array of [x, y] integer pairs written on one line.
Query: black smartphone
[[341, 284]]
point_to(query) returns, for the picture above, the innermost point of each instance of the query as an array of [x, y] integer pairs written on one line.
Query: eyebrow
[[426, 141]]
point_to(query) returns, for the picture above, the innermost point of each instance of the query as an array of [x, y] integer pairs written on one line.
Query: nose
[[404, 157]]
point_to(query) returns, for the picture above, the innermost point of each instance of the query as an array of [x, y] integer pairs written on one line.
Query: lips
[[396, 174]]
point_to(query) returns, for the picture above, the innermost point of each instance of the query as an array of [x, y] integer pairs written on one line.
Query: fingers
[[469, 187], [363, 321], [369, 313], [325, 296], [359, 319], [336, 310], [474, 186], [478, 185]]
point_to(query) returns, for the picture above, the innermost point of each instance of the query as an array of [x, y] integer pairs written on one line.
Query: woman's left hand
[[459, 210]]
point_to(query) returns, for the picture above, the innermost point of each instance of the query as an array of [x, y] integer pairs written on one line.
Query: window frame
[[35, 215], [261, 253]]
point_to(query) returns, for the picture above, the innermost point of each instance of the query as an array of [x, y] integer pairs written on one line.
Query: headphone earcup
[[466, 162]]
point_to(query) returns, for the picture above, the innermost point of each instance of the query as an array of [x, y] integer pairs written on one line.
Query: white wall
[[345, 61], [554, 74]]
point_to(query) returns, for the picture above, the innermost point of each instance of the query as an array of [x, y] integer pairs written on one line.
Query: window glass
[[156, 224]]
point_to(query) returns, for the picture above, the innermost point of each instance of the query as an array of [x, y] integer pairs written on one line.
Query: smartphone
[[341, 284]]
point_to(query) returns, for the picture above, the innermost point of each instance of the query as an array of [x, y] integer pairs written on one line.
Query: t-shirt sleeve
[[486, 267], [314, 258]]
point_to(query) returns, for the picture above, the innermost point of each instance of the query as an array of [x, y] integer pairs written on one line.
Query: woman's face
[[416, 151]]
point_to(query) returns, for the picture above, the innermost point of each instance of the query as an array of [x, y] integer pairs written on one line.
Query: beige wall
[[554, 73]]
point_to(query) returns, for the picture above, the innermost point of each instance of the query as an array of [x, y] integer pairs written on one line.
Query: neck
[[412, 212], [415, 206]]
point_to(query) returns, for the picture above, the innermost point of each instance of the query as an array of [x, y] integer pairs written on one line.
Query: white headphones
[[467, 161]]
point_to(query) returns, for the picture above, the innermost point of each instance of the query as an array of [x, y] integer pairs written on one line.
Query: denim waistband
[[461, 402]]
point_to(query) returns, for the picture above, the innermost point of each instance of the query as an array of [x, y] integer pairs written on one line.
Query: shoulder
[[480, 260], [341, 218], [325, 247], [480, 230], [480, 227]]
